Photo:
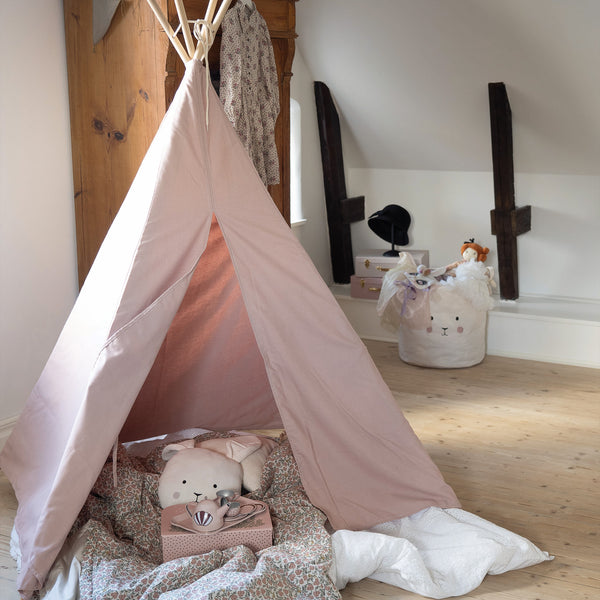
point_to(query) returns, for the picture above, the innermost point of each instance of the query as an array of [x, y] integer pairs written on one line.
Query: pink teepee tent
[[202, 309]]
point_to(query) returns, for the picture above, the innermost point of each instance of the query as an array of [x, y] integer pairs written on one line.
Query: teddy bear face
[[191, 474]]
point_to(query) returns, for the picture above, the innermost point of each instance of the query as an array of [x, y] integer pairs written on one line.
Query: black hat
[[391, 224]]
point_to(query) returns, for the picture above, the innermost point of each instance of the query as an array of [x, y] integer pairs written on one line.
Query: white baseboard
[[6, 426], [547, 329], [544, 338]]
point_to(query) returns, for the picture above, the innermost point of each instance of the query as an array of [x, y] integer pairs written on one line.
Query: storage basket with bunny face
[[440, 322]]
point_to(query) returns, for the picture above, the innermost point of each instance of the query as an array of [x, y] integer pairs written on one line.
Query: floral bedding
[[122, 558]]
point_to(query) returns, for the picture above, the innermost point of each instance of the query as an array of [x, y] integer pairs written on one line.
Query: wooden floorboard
[[519, 441], [8, 509]]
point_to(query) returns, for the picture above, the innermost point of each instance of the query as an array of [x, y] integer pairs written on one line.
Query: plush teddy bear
[[197, 471]]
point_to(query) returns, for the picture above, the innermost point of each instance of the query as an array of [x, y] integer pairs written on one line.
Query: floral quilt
[[122, 557]]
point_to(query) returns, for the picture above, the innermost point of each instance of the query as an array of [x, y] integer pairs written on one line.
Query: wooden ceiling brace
[[341, 211], [507, 221]]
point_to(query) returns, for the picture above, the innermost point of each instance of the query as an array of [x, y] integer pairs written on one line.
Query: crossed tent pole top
[[203, 29]]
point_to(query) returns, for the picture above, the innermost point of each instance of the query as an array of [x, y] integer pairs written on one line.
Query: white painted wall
[[313, 234], [37, 231], [410, 78], [556, 258]]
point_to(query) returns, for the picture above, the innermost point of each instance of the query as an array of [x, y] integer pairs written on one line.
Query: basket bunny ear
[[171, 450]]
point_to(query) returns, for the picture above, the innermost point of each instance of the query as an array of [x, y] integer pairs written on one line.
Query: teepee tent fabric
[[202, 309]]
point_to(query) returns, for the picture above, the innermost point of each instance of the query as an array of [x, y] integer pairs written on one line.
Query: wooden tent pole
[[203, 45], [202, 49], [169, 31], [210, 10], [185, 27], [221, 14], [208, 16]]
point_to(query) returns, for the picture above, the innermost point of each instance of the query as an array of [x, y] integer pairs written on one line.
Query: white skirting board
[[556, 330]]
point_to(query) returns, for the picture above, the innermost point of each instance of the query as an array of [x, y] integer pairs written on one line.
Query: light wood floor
[[519, 441]]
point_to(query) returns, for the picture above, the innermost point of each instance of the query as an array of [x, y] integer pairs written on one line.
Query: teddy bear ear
[[237, 448], [171, 450]]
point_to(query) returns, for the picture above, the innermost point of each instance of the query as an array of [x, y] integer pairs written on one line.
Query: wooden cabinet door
[[117, 101]]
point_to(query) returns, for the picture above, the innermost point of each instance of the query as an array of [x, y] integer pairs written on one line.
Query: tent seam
[[149, 308]]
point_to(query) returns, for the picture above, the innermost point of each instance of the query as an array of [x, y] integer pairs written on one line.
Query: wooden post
[[341, 211], [507, 221]]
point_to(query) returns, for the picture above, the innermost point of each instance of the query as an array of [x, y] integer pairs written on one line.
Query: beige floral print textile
[[249, 86]]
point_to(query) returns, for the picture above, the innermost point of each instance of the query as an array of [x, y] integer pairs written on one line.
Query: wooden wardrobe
[[119, 91]]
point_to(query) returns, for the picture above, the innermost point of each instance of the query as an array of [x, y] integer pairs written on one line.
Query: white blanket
[[436, 553]]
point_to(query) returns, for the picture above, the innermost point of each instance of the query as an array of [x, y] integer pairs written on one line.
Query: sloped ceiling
[[410, 79]]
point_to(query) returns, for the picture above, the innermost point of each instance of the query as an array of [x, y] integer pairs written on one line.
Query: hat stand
[[393, 251]]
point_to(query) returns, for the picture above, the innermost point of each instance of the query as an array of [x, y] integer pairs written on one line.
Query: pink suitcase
[[372, 263], [365, 287]]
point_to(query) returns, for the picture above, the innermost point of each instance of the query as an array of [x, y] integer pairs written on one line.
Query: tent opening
[[209, 371]]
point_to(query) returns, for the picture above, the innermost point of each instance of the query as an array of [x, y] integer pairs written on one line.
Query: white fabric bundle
[[436, 552]]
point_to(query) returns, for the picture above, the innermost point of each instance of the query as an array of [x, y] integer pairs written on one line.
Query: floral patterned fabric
[[249, 87], [122, 556]]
